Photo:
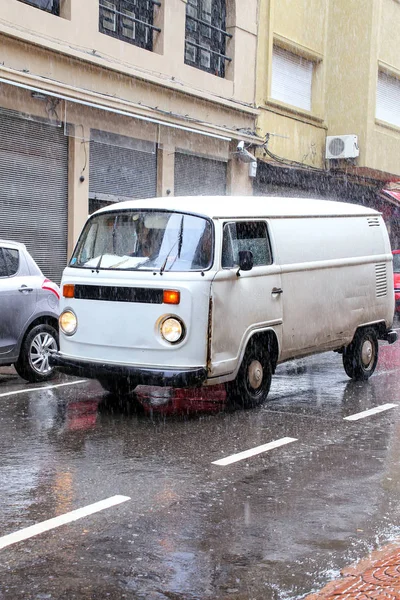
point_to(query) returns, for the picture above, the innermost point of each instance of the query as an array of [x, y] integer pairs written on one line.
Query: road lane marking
[[371, 411], [43, 387], [253, 451], [69, 517]]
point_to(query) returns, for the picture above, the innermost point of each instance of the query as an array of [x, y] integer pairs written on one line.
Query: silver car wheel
[[39, 351]]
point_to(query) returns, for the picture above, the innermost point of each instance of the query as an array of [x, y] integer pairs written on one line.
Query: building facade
[[104, 100], [328, 90]]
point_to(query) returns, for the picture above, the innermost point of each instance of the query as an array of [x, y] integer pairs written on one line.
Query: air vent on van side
[[373, 221], [381, 280]]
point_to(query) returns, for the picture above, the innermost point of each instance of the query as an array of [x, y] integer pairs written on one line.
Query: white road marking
[[253, 451], [43, 387], [371, 411], [74, 515]]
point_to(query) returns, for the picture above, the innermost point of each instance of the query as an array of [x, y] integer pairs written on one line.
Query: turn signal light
[[69, 290], [171, 297]]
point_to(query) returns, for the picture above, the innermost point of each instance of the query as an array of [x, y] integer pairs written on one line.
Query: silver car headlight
[[172, 330], [68, 322]]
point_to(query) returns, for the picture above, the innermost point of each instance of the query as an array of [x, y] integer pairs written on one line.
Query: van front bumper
[[141, 375]]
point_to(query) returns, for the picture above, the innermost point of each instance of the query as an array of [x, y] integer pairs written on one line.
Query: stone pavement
[[376, 577]]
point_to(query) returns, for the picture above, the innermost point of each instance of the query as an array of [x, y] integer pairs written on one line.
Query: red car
[[396, 277]]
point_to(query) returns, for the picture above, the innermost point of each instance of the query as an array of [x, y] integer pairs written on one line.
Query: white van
[[194, 291]]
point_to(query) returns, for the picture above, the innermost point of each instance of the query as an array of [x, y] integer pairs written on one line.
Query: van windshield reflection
[[145, 240]]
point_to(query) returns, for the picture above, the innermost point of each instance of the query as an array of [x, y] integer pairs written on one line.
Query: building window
[[129, 20], [205, 36], [388, 99], [291, 78], [51, 6]]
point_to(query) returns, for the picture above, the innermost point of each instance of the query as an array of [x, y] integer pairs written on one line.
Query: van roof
[[246, 206]]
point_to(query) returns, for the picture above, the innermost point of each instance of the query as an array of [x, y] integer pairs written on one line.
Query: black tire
[[361, 356], [33, 361], [118, 386], [253, 381]]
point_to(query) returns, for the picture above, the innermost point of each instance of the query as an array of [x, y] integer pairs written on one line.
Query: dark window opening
[[129, 20], [51, 6], [205, 36]]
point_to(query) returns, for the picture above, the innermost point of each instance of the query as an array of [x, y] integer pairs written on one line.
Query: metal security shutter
[[291, 78], [34, 189], [198, 176], [122, 171], [388, 99]]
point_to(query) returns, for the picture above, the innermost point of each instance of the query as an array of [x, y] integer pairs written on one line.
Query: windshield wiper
[[177, 241], [97, 267]]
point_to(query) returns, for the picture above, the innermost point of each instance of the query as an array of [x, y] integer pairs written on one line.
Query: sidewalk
[[376, 577]]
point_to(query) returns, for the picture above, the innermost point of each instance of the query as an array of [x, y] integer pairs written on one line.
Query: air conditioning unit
[[341, 146]]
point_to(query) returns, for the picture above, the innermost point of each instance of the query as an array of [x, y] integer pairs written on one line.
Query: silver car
[[29, 309]]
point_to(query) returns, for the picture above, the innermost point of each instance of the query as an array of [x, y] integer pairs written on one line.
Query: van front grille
[[381, 280], [109, 293]]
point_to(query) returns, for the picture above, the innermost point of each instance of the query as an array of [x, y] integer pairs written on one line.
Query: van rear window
[[145, 240]]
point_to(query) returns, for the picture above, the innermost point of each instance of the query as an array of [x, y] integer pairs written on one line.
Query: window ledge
[[386, 125], [288, 110]]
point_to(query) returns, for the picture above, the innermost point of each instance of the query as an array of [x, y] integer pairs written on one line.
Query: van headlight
[[68, 322], [172, 330]]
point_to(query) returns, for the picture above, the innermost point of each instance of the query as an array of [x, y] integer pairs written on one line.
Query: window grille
[[51, 6], [205, 36], [129, 20]]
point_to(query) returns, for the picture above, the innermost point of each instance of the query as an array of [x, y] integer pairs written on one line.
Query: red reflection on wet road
[[389, 357], [167, 400], [81, 415]]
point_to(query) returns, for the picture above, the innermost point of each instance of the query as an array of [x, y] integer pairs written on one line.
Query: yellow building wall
[[300, 27], [348, 39]]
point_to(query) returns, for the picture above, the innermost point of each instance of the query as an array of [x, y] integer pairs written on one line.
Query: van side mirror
[[246, 260]]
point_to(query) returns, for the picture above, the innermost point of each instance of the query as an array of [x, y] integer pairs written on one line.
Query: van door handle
[[24, 288], [276, 290]]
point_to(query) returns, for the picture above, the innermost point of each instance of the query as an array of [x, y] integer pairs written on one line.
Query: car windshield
[[396, 263], [153, 240]]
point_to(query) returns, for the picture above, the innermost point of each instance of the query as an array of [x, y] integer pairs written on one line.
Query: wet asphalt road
[[276, 525]]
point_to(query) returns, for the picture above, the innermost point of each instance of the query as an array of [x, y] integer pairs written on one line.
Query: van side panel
[[336, 276]]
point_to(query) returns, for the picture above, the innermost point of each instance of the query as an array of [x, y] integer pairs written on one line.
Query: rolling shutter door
[[118, 171], [34, 189], [198, 176]]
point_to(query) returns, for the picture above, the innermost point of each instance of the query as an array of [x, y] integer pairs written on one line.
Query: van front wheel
[[251, 386], [361, 356]]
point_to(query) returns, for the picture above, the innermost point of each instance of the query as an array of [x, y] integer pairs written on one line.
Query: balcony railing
[[129, 20]]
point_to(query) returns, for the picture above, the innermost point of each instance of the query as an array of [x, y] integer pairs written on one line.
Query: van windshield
[[145, 240]]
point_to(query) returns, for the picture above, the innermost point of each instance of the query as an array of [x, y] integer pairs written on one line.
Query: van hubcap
[[367, 354], [255, 374]]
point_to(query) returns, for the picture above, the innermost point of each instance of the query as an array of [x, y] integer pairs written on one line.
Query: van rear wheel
[[253, 381], [361, 356]]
